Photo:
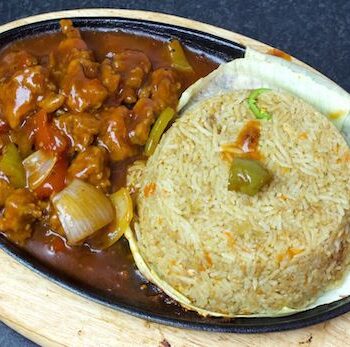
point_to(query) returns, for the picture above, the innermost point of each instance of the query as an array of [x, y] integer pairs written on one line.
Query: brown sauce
[[112, 271], [278, 53], [248, 139], [246, 145]]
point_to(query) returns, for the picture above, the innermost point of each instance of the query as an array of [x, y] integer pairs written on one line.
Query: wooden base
[[52, 316]]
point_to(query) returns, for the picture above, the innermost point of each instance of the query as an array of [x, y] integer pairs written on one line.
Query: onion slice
[[38, 167], [82, 210], [124, 213]]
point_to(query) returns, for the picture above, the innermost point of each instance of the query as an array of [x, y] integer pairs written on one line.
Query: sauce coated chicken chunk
[[21, 94], [80, 128], [21, 209], [114, 133], [75, 109], [92, 166]]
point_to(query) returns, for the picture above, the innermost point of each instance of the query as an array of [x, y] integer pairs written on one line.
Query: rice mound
[[236, 254]]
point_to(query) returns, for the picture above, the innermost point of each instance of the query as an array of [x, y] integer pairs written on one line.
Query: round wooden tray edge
[[53, 316]]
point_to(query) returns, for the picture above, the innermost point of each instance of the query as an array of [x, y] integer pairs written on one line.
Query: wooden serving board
[[52, 316]]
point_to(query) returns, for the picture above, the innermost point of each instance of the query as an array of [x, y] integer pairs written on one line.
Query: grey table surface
[[317, 32]]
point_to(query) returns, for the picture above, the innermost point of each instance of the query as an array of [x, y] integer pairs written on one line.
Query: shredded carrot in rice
[[208, 258], [289, 254], [230, 239], [345, 158], [294, 251], [285, 170], [149, 189], [303, 136], [283, 197]]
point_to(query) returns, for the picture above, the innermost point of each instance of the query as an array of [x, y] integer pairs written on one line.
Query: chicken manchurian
[[74, 111]]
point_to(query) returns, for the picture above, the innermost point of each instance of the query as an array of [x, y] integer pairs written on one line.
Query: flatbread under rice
[[234, 254]]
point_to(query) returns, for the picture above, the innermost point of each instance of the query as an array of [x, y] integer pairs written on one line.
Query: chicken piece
[[91, 166], [142, 119], [128, 95], [23, 137], [22, 209], [114, 133], [133, 67], [20, 94], [70, 48], [67, 51], [68, 29], [15, 61], [76, 71], [82, 93], [162, 91], [109, 77], [5, 191], [165, 89], [51, 102], [80, 128], [50, 219]]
